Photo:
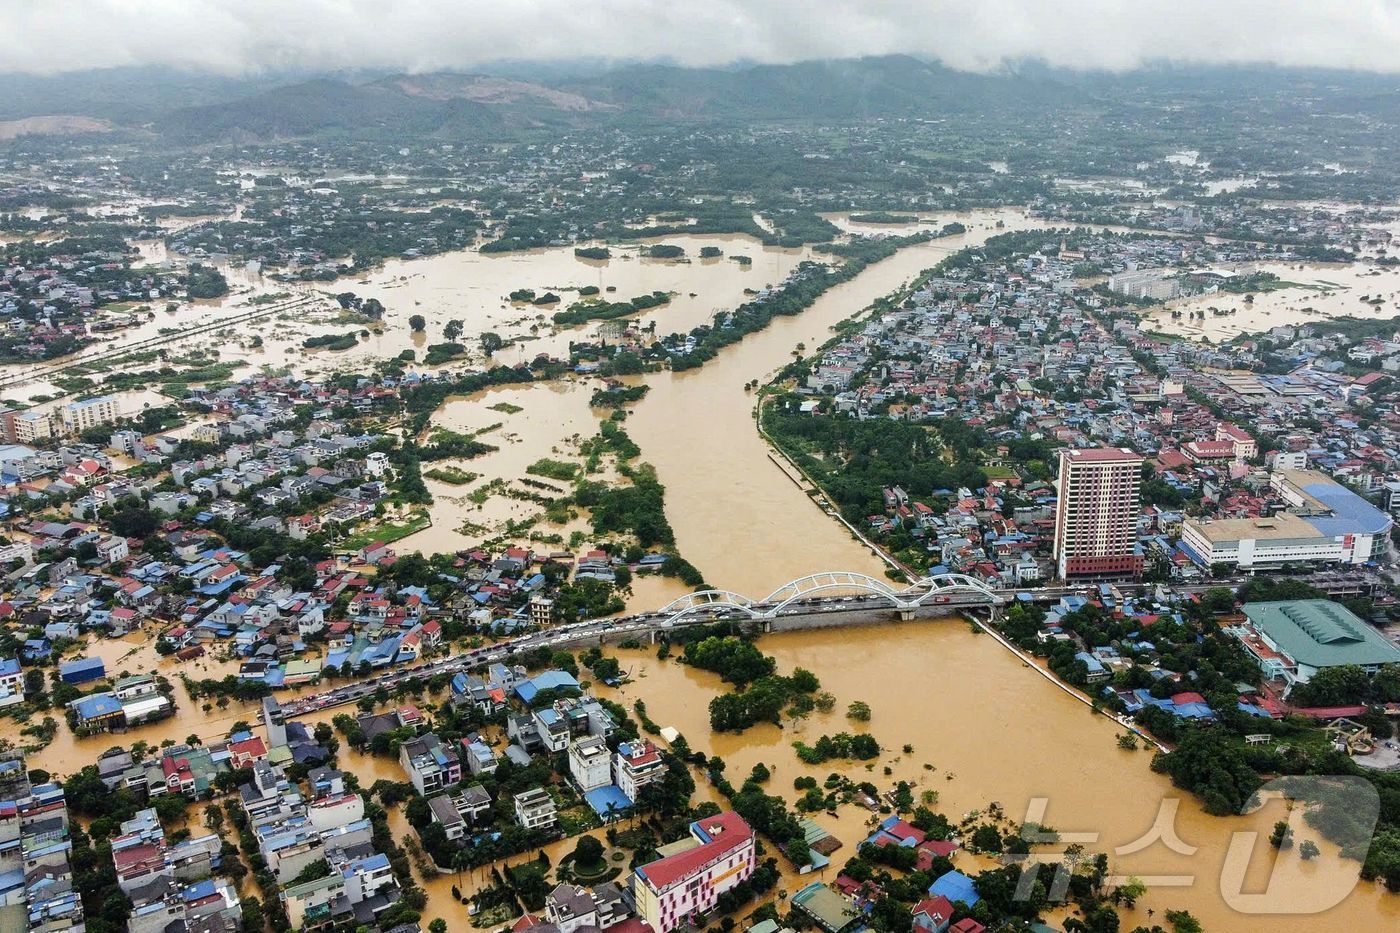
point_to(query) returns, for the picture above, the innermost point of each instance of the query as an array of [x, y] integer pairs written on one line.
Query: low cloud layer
[[246, 36]]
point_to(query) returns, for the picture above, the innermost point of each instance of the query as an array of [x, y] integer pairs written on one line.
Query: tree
[[1208, 764], [859, 711], [452, 329], [491, 342], [588, 852], [1131, 890], [417, 323], [134, 522], [170, 807], [1282, 836], [1183, 922], [253, 917], [438, 925], [1308, 850]]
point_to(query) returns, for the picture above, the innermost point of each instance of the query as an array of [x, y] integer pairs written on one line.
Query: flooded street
[[983, 729]]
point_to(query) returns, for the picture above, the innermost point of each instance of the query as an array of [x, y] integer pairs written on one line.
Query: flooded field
[[1317, 292]]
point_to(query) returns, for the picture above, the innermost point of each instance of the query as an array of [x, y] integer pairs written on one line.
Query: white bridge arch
[[931, 589]]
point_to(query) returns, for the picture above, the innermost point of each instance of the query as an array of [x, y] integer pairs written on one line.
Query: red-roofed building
[[933, 914], [674, 890], [431, 633], [931, 849], [138, 864], [636, 765], [243, 754], [1209, 451], [178, 776]]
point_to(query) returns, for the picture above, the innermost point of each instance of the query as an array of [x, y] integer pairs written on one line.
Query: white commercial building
[[1326, 523]]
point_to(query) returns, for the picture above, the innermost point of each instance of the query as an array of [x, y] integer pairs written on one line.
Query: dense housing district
[[1193, 537]]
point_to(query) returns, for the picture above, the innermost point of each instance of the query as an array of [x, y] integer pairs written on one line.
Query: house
[[243, 754], [112, 549], [571, 907], [455, 813], [588, 763], [374, 552], [684, 886], [431, 765], [11, 682], [933, 914], [473, 802], [956, 887], [534, 809], [480, 758], [636, 765], [445, 814], [560, 681], [828, 909], [81, 670]]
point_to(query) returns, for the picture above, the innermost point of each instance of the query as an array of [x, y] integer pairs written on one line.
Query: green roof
[[316, 884], [832, 911], [1321, 633]]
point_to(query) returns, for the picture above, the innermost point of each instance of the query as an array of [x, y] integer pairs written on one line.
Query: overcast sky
[[241, 36]]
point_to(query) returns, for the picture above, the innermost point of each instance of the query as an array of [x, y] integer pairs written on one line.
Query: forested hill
[[193, 109], [891, 86]]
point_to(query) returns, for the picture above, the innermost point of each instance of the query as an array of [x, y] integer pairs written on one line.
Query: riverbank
[[980, 730]]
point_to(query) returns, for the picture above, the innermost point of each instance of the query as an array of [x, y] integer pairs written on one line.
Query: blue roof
[[606, 800], [198, 890], [9, 666], [1091, 662], [81, 665], [1351, 514], [549, 680], [370, 862], [955, 886], [97, 705]]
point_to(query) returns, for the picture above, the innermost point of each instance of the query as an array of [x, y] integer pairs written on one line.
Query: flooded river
[[988, 729], [738, 517], [994, 732]]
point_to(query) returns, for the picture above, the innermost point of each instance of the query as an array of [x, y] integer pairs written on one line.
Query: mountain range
[[201, 108]]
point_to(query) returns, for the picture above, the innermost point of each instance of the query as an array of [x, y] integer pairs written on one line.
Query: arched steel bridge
[[938, 588]]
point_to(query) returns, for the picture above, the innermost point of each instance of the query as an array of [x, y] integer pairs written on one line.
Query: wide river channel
[[982, 726]]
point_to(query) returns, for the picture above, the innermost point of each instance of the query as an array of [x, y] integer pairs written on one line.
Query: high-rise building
[[1096, 516]]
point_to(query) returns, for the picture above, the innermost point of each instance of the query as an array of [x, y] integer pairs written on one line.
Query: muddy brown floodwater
[[1317, 292], [994, 731], [989, 729], [737, 515]]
